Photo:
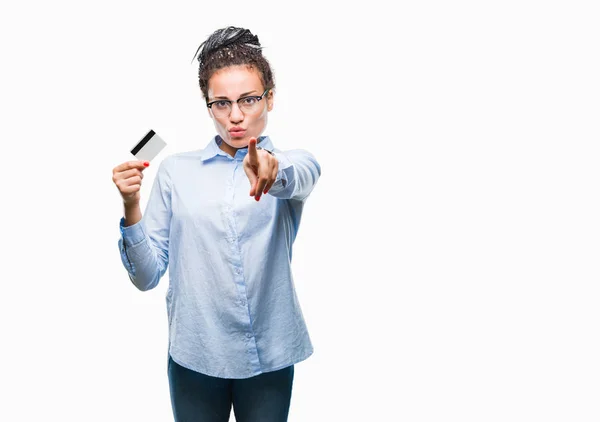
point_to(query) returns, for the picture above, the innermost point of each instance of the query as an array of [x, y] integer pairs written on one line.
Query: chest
[[215, 197]]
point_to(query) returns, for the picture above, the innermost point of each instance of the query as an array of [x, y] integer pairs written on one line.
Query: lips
[[237, 132]]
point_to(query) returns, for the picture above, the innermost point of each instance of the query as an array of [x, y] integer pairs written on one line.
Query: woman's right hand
[[128, 179]]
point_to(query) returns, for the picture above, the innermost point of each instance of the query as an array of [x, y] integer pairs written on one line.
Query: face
[[232, 83]]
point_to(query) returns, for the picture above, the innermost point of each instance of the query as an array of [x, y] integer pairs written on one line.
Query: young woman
[[224, 219]]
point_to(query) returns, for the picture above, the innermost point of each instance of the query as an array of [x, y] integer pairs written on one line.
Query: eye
[[221, 104], [249, 100]]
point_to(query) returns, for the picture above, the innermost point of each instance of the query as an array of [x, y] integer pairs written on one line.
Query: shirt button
[[248, 335], [238, 271], [243, 303]]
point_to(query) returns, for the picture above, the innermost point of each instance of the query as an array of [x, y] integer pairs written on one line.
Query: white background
[[447, 261]]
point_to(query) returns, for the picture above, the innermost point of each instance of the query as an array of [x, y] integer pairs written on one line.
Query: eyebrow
[[241, 96]]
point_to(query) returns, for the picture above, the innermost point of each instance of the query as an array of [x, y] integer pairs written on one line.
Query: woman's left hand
[[261, 169]]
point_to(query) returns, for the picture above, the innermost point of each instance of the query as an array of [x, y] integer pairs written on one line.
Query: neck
[[228, 148]]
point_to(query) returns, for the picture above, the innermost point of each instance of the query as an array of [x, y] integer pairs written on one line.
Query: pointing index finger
[[252, 151]]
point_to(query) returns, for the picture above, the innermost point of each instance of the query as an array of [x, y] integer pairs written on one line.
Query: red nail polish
[[146, 163]]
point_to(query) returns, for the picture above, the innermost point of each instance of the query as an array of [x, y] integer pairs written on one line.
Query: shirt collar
[[212, 149]]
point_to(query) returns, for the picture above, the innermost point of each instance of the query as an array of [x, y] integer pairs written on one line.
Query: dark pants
[[196, 397]]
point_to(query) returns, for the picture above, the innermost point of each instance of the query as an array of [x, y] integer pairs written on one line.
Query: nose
[[236, 114]]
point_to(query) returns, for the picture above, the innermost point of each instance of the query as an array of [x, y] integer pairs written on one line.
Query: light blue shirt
[[231, 304]]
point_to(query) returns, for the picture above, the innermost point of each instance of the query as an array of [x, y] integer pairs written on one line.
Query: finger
[[262, 182], [129, 185], [272, 181], [252, 151], [128, 165], [127, 174], [271, 165], [253, 178], [254, 186], [130, 173], [133, 180], [131, 189], [264, 174]]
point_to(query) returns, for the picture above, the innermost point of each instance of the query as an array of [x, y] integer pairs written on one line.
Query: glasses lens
[[248, 104], [221, 108]]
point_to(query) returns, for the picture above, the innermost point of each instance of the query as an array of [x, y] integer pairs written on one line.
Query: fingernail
[[257, 198], [146, 163]]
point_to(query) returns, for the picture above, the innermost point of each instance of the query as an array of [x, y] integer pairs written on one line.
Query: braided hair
[[231, 46]]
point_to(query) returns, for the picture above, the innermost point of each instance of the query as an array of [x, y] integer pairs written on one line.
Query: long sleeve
[[144, 246], [297, 175], [231, 304]]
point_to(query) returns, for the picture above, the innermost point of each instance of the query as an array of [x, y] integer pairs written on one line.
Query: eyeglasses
[[222, 108]]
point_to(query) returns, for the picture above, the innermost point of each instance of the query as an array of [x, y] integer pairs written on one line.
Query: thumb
[[253, 178]]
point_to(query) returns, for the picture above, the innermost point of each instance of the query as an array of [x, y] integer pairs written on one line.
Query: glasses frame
[[258, 98]]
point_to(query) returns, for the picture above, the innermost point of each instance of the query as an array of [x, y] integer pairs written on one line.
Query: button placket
[[238, 269]]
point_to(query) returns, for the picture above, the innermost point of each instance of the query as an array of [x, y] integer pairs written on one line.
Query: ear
[[270, 100]]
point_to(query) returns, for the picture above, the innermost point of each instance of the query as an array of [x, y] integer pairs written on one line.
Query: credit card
[[148, 147]]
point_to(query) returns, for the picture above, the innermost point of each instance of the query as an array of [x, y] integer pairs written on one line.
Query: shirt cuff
[[132, 235]]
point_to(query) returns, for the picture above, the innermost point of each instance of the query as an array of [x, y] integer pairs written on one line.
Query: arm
[[144, 245], [297, 174]]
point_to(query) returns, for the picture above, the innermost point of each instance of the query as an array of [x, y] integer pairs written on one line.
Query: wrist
[[131, 204]]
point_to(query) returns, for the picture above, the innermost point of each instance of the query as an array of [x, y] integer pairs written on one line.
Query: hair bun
[[226, 37]]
